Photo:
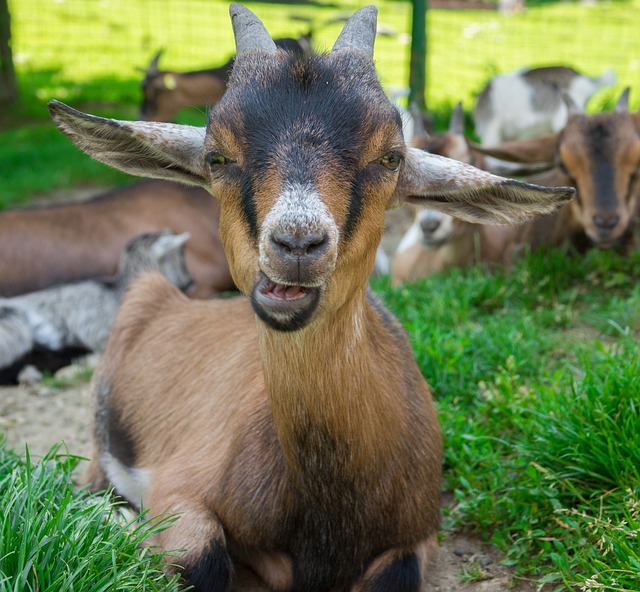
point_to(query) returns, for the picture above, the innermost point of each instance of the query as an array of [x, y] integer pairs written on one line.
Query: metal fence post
[[418, 63]]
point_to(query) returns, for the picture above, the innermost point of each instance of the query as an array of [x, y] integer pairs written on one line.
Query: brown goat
[[597, 154], [57, 244], [166, 92], [291, 430], [436, 241]]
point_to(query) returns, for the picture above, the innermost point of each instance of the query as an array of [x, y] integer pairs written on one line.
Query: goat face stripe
[[248, 205]]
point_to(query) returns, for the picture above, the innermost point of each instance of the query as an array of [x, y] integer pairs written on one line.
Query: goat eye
[[215, 160], [391, 161]]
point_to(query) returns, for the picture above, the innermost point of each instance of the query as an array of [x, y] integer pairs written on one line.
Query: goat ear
[[143, 148], [168, 243], [535, 150], [471, 194]]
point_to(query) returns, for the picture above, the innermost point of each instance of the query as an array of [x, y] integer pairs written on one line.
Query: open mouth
[[284, 307]]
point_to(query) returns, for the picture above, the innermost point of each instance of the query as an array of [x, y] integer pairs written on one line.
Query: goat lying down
[[529, 102], [597, 154], [436, 242], [166, 92], [290, 429], [67, 242], [78, 317]]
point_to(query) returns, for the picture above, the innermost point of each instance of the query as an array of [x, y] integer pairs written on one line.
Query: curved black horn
[[623, 102], [153, 66], [249, 32], [359, 32]]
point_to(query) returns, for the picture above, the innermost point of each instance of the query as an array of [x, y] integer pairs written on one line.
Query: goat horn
[[623, 102], [249, 32], [359, 32], [456, 122], [418, 122], [153, 66]]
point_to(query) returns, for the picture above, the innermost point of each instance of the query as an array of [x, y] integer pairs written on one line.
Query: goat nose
[[308, 244], [606, 221], [429, 225]]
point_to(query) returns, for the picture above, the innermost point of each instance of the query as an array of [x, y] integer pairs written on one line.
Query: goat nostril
[[429, 226], [606, 222], [300, 245]]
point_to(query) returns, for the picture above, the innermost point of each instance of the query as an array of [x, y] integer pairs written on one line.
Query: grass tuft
[[54, 538]]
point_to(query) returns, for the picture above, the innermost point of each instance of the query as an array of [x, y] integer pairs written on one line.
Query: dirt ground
[[39, 417]]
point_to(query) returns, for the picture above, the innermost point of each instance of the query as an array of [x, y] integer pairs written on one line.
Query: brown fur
[[599, 155], [45, 246], [295, 437], [255, 507], [469, 244], [196, 89]]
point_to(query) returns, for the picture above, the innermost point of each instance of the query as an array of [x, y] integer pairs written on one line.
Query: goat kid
[[79, 316], [529, 102], [166, 92], [597, 154], [436, 241], [291, 429], [61, 243]]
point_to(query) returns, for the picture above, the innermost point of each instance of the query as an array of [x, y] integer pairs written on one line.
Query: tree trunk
[[8, 86]]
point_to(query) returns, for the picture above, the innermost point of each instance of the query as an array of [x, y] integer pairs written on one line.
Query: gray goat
[[78, 316]]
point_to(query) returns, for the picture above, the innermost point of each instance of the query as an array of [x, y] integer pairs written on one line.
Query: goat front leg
[[399, 570], [205, 563]]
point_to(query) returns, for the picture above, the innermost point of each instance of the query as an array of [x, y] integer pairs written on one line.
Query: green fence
[[66, 46]]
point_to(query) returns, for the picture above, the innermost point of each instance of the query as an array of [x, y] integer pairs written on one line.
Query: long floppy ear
[[471, 194], [538, 150], [144, 148]]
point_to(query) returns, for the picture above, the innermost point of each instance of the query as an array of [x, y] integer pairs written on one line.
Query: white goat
[[529, 102], [79, 316]]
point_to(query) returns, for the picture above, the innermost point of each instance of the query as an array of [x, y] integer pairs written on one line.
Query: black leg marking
[[402, 575], [211, 572]]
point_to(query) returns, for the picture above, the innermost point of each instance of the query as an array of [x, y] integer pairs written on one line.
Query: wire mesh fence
[[62, 45]]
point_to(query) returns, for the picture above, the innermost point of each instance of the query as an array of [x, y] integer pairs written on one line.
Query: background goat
[[291, 430], [529, 102], [62, 243], [166, 92], [79, 316], [436, 241], [597, 154]]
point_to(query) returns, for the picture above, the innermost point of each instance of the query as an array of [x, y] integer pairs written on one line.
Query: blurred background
[[92, 54]]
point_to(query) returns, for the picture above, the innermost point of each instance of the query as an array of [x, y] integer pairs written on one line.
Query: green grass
[[537, 378], [54, 538]]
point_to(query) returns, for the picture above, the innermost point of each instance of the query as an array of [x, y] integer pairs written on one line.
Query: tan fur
[[607, 142], [293, 434], [66, 242], [469, 244], [154, 312]]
